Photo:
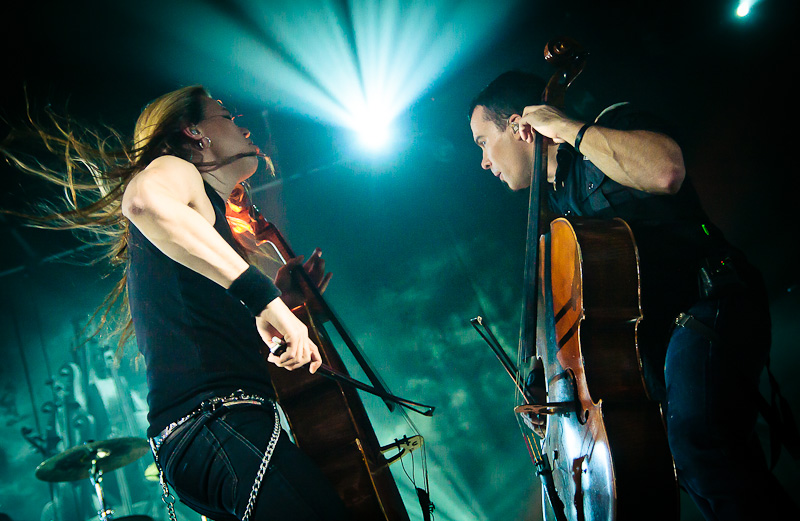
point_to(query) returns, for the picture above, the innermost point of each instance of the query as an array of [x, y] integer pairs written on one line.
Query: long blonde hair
[[94, 170]]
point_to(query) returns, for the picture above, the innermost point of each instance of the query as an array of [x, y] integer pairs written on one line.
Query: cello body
[[608, 447], [327, 419], [330, 424]]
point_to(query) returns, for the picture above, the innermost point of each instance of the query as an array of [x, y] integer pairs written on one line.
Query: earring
[[201, 144], [515, 127], [193, 131]]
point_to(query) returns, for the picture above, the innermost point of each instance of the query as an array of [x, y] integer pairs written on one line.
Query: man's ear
[[513, 122]]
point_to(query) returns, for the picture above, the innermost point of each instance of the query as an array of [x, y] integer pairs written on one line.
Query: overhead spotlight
[[374, 137], [372, 125], [744, 8]]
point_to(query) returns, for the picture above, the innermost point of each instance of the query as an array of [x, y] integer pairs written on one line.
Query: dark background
[[420, 239]]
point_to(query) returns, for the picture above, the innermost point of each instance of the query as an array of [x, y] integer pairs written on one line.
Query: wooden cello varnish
[[328, 420], [610, 457], [605, 439]]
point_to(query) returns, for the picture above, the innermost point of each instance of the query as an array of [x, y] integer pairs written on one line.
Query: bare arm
[[168, 204], [639, 159]]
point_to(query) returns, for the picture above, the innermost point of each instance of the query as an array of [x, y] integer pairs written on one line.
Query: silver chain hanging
[[273, 441], [166, 496]]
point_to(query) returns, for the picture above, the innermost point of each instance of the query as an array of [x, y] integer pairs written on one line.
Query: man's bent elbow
[[669, 168], [674, 170], [671, 179]]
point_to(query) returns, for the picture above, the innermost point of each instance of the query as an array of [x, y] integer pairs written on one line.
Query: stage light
[[333, 61], [744, 8], [370, 121], [375, 137]]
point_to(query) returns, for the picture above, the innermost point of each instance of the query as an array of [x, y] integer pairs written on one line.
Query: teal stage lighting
[[354, 65], [744, 7]]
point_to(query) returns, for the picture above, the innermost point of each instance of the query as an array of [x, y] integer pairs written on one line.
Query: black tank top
[[196, 339]]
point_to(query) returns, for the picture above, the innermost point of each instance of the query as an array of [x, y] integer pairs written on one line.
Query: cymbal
[[151, 472], [76, 463]]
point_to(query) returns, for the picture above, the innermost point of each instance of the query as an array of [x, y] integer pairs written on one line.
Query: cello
[[604, 454], [326, 416]]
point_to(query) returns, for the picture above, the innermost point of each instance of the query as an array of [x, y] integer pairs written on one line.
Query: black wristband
[[579, 136], [254, 289]]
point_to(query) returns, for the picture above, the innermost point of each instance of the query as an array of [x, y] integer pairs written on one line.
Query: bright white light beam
[[744, 8], [355, 64]]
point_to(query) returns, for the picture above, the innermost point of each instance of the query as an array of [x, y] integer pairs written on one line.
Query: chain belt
[[210, 406]]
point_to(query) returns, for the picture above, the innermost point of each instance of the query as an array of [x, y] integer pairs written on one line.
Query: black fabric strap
[[579, 136], [254, 289]]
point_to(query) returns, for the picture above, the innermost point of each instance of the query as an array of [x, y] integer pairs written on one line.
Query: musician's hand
[[315, 267], [278, 321], [537, 394], [291, 292], [535, 422], [547, 121]]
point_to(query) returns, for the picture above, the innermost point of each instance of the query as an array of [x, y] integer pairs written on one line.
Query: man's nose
[[246, 133], [485, 163]]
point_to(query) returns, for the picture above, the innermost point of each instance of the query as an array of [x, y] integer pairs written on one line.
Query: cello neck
[[570, 59], [266, 232]]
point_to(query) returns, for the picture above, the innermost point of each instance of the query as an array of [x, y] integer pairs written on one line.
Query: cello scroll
[[570, 58]]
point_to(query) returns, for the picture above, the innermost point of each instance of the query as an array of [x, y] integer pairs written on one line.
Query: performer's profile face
[[227, 138], [506, 155]]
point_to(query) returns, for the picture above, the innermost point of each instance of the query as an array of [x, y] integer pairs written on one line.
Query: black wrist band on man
[[254, 289], [579, 136]]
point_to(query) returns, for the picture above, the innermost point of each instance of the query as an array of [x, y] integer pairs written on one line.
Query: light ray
[[355, 64]]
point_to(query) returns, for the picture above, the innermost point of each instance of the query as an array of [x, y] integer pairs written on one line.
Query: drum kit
[[91, 460]]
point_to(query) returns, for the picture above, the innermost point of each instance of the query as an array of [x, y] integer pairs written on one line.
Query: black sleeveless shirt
[[197, 340]]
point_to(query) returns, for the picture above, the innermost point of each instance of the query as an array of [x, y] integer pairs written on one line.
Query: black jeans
[[711, 408], [211, 463]]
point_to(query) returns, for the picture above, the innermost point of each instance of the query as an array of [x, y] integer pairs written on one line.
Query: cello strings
[[534, 448], [531, 439], [424, 457], [402, 410], [317, 332]]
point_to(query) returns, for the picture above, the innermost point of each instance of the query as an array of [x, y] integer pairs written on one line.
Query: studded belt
[[210, 405]]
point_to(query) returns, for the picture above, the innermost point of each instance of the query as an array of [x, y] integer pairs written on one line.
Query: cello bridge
[[404, 446]]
